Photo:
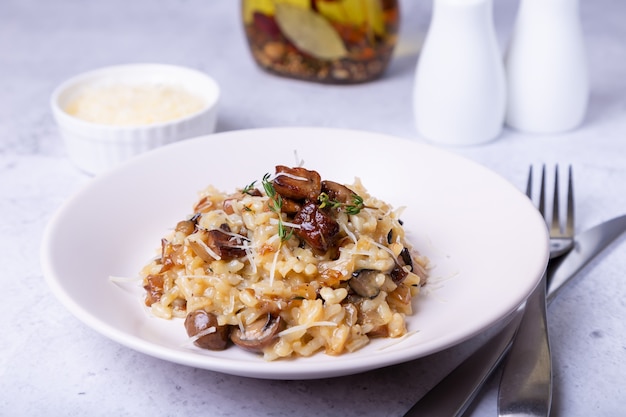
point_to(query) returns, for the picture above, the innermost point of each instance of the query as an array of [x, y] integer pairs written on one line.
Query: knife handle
[[453, 395], [526, 381]]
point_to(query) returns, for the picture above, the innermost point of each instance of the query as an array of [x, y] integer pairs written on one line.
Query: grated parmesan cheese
[[133, 105], [306, 326]]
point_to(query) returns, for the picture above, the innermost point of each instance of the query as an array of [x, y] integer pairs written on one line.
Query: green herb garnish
[[276, 205], [354, 208], [248, 188]]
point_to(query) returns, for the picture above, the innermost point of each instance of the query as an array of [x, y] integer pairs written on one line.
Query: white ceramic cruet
[[548, 87], [459, 95]]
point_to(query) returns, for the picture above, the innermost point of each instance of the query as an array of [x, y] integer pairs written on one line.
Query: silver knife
[[586, 247], [455, 392], [526, 381]]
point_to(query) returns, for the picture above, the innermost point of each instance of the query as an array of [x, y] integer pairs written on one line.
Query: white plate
[[488, 243]]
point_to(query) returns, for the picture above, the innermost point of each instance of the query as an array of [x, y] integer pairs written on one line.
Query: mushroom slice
[[290, 206], [398, 273], [212, 335], [227, 245], [171, 255], [316, 228], [216, 244], [203, 205], [297, 183], [186, 227], [405, 254], [364, 283], [259, 334], [337, 192], [154, 288], [379, 331], [227, 206]]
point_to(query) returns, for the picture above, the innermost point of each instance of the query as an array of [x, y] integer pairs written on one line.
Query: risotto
[[287, 266]]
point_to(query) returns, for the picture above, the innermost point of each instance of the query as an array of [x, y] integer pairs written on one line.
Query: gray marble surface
[[52, 364]]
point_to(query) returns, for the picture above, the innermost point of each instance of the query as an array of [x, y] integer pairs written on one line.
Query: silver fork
[[561, 238], [526, 381]]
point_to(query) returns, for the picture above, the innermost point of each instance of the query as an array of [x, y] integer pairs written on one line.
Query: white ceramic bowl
[[95, 147]]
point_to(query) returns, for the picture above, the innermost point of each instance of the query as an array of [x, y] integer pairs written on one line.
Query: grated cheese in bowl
[[134, 105], [111, 114]]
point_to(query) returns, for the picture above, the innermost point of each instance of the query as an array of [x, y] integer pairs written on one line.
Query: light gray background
[[51, 364]]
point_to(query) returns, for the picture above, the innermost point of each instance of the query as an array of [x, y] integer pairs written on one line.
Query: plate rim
[[305, 369]]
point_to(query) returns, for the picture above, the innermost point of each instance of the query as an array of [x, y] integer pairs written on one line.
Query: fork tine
[[561, 235], [555, 228], [542, 193], [529, 184], [569, 222]]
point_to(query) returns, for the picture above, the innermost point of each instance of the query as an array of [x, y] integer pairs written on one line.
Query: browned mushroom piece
[[398, 273], [154, 289], [196, 245], [227, 206], [297, 183], [171, 255], [259, 334], [337, 192], [405, 254], [379, 331], [203, 205], [316, 228], [290, 206], [364, 283], [213, 336], [226, 245], [186, 227]]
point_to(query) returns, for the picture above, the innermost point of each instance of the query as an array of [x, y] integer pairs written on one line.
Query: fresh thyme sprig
[[354, 208], [275, 198], [276, 205], [248, 188]]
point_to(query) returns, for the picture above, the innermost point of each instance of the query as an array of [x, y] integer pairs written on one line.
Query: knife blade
[[455, 392], [586, 247], [526, 381]]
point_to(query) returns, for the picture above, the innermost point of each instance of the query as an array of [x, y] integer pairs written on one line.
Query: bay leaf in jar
[[327, 41], [309, 32]]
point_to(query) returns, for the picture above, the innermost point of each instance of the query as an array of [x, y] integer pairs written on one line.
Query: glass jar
[[327, 41]]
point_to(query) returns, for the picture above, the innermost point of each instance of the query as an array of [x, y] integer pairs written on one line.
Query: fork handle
[[453, 395], [526, 381]]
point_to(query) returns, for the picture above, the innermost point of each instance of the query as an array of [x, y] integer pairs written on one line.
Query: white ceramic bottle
[[546, 68], [459, 95]]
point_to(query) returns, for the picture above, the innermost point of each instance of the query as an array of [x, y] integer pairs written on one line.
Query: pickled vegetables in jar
[[327, 41]]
